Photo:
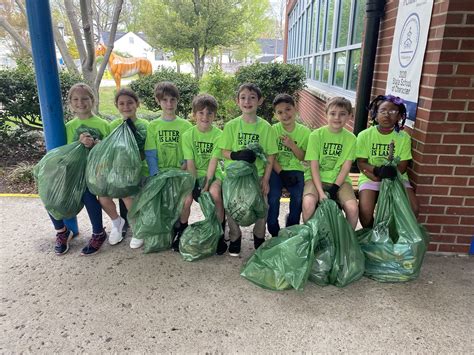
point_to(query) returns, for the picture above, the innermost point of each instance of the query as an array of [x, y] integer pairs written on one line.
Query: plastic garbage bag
[[338, 256], [283, 262], [395, 247], [114, 165], [157, 207], [60, 178], [200, 239]]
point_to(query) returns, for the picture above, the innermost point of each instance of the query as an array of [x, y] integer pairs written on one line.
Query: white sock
[[116, 222]]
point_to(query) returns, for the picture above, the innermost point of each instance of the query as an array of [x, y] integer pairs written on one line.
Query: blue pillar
[[47, 78]]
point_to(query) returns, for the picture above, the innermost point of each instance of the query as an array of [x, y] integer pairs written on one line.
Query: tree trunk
[[14, 33], [75, 30], [62, 46], [197, 64]]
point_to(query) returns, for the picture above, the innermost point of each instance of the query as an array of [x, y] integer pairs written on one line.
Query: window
[[325, 37], [131, 40]]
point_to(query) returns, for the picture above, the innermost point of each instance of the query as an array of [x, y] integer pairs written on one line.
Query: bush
[[22, 173], [188, 87], [19, 101], [223, 87], [272, 79]]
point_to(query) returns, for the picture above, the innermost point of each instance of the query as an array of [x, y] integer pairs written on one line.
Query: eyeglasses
[[389, 112]]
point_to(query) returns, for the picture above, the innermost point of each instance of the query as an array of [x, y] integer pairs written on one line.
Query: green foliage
[[272, 79], [188, 87], [19, 95], [22, 173], [222, 86]]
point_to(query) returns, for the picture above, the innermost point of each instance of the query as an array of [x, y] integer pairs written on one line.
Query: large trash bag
[[200, 239], [157, 207], [338, 257], [60, 178], [394, 249], [243, 198], [283, 262], [114, 165]]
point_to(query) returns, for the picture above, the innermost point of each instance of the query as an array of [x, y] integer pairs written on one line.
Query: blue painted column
[[47, 78]]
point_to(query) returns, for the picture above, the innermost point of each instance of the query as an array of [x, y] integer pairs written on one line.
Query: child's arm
[[276, 166], [211, 170], [366, 168], [317, 179], [345, 169], [190, 167], [266, 175], [151, 157], [297, 151], [402, 166]]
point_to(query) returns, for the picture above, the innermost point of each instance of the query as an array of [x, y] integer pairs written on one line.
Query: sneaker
[[257, 241], [94, 244], [221, 246], [136, 243], [234, 247], [62, 242], [116, 236]]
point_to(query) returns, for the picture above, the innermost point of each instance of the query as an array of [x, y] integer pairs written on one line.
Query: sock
[[116, 222]]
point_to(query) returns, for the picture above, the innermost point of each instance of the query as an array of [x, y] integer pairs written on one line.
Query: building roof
[[105, 36], [268, 46]]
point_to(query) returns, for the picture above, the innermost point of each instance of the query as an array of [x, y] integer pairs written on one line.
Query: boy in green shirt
[[238, 133], [163, 148], [202, 155], [288, 169], [331, 150]]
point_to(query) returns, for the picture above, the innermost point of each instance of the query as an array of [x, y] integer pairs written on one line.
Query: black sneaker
[[221, 246], [94, 244], [234, 247], [179, 230], [257, 241], [62, 242]]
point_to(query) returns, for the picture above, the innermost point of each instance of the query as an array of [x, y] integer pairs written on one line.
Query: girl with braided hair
[[374, 145]]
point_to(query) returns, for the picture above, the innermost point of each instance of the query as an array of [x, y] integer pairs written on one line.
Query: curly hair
[[375, 104]]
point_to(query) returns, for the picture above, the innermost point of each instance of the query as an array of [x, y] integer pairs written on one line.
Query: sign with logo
[[408, 51]]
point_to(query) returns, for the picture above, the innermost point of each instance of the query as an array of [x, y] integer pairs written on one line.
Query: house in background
[[272, 50]]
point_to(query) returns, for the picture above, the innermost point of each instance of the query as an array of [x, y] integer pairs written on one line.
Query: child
[[89, 130], [331, 151], [202, 155], [163, 147], [288, 170], [127, 103], [388, 114], [238, 133]]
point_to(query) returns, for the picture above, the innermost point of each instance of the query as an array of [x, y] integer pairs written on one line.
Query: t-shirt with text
[[97, 127], [285, 156]]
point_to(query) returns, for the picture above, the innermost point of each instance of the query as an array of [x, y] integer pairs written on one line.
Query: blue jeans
[[296, 200], [94, 210]]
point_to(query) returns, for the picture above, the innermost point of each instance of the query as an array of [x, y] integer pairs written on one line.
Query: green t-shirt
[[97, 127], [201, 147], [374, 146], [166, 138], [285, 156], [238, 134], [331, 150], [142, 126]]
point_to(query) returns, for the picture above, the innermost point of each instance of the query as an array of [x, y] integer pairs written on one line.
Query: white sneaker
[[115, 235], [136, 243]]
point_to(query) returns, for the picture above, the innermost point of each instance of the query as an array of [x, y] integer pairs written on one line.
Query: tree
[[200, 26]]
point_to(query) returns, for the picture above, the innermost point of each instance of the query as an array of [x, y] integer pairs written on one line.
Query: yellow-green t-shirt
[[97, 127], [166, 137], [238, 134], [331, 150], [374, 146], [285, 156]]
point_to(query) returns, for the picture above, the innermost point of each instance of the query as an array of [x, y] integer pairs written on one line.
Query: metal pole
[[47, 78]]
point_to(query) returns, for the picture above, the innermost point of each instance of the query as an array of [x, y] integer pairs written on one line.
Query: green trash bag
[[157, 207], [283, 262], [243, 198], [338, 257], [60, 179], [114, 165], [200, 239], [394, 249]]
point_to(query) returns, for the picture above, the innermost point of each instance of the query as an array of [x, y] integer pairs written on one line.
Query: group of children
[[311, 166]]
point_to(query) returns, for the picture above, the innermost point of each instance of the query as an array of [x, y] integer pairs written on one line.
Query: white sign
[[408, 51]]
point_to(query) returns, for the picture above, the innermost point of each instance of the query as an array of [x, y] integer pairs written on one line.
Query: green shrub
[[22, 173], [19, 101], [272, 79], [223, 87], [188, 87]]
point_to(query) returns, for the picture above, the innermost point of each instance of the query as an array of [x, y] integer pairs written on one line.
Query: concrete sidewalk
[[121, 300]]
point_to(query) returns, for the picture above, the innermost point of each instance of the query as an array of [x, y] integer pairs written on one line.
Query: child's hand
[[265, 186], [287, 141], [87, 140], [323, 197], [206, 186]]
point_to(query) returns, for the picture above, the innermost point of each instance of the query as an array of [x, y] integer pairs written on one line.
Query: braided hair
[[374, 106]]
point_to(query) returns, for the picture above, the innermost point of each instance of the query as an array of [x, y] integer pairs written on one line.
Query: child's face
[[285, 113], [204, 118], [168, 104], [337, 118], [127, 106], [81, 103], [248, 101], [388, 114]]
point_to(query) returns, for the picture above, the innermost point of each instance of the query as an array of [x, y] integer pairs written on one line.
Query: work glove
[[245, 155], [385, 172], [332, 191], [287, 178], [196, 191]]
